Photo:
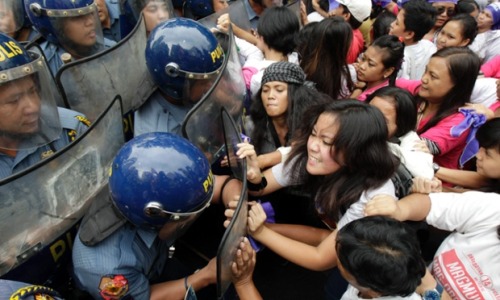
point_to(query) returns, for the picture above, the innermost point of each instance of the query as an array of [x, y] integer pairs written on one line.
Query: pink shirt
[[450, 147], [410, 85], [492, 67]]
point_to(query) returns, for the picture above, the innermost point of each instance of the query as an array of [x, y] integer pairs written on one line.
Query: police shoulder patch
[[113, 287]]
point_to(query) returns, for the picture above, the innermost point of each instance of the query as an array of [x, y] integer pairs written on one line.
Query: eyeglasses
[[449, 11]]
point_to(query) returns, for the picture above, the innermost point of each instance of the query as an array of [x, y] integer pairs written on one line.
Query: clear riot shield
[[238, 227], [120, 70], [201, 125], [237, 13], [42, 204]]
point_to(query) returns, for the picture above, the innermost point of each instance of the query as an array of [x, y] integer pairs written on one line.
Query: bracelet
[[186, 283], [257, 186]]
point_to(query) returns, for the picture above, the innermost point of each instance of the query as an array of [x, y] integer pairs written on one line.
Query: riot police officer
[[71, 27], [159, 184], [32, 127], [153, 11], [184, 59]]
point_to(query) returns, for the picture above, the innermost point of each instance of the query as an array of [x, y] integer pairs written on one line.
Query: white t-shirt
[[486, 45], [353, 294], [355, 211], [417, 162], [485, 91], [415, 60], [467, 264]]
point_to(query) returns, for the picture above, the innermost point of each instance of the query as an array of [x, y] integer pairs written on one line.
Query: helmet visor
[[11, 16], [28, 112], [79, 30]]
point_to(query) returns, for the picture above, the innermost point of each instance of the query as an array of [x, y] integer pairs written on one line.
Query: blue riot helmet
[[159, 177], [11, 16], [153, 11], [73, 25], [184, 58], [28, 112]]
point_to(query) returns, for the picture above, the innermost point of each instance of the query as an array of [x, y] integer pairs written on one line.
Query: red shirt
[[356, 48]]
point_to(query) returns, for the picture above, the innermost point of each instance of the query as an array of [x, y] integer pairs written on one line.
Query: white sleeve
[[464, 212], [418, 163], [248, 51], [283, 174], [484, 92], [357, 209]]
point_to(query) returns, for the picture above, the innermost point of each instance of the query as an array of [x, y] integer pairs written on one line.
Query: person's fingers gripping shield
[[11, 16], [160, 179], [74, 24], [184, 59], [28, 112]]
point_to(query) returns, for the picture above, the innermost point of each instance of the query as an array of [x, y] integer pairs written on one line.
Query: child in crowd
[[458, 31], [413, 21], [487, 43]]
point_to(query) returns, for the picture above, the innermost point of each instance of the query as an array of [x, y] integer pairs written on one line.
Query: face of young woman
[[371, 68], [319, 146], [275, 98], [389, 111], [451, 36], [436, 81], [445, 11], [488, 162]]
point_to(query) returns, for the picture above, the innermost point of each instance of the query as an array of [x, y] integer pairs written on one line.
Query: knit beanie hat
[[285, 72], [494, 8]]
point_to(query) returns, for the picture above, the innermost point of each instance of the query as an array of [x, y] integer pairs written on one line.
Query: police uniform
[[20, 290], [157, 114], [135, 255], [53, 54], [73, 125], [113, 33]]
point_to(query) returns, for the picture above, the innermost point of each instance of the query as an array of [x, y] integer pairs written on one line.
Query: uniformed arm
[[317, 258], [176, 289]]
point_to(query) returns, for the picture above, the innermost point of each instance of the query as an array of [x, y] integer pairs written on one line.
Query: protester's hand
[[223, 23], [256, 218], [243, 264], [421, 146], [230, 209], [480, 109], [426, 186], [383, 205], [247, 150]]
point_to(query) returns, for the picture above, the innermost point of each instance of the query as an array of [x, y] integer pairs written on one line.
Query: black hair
[[382, 24], [468, 24], [463, 67], [355, 24], [405, 105], [382, 254], [300, 97], [324, 50], [394, 52], [467, 6], [360, 147], [488, 136], [279, 26], [420, 17]]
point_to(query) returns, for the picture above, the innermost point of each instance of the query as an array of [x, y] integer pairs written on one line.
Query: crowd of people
[[383, 115]]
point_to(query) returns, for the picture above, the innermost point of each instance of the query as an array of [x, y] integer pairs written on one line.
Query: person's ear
[[388, 72]]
